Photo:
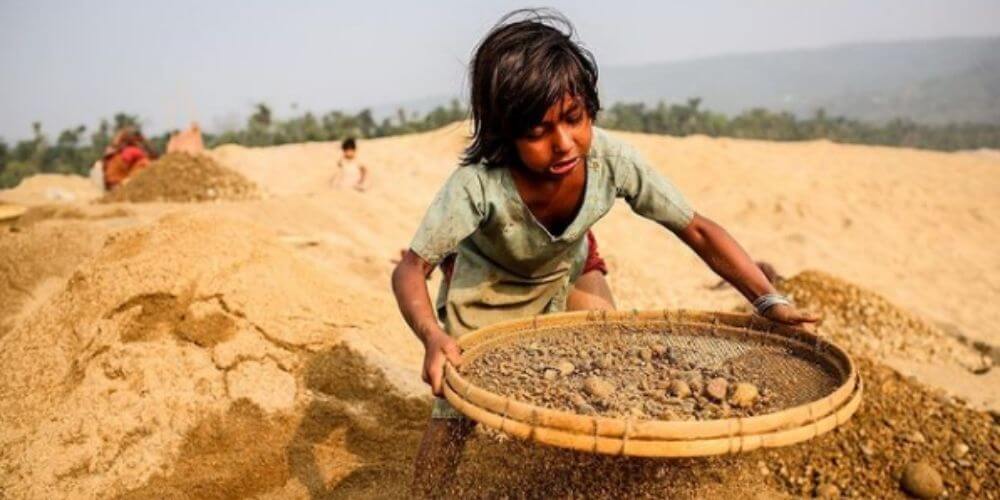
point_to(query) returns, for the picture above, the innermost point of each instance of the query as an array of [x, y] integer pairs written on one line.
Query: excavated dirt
[[183, 177], [674, 372], [357, 436], [864, 321]]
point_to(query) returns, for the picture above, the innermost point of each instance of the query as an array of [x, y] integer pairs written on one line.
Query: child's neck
[[554, 201]]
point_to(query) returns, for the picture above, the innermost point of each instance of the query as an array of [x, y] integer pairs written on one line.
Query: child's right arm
[[409, 284], [455, 213]]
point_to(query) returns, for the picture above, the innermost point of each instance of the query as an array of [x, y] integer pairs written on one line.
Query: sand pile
[[33, 264], [865, 322], [167, 323], [51, 188], [182, 177]]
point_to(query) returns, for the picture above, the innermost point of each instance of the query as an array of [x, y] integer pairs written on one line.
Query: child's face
[[349, 153], [559, 144]]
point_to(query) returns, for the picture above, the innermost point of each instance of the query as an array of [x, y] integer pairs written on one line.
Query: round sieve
[[813, 383]]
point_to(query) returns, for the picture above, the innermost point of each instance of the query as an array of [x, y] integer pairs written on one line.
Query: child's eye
[[575, 117], [536, 132]]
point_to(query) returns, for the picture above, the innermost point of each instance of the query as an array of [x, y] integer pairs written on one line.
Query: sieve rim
[[612, 427]]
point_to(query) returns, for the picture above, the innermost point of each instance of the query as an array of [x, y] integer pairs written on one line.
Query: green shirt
[[508, 264]]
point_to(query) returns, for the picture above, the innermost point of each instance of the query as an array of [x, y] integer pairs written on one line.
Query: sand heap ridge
[[167, 323], [183, 177]]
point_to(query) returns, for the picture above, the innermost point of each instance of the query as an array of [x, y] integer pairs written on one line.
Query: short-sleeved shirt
[[508, 264], [123, 164]]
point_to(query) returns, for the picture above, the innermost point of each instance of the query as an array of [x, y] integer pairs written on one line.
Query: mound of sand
[[183, 177], [50, 188], [866, 322], [166, 323], [33, 266]]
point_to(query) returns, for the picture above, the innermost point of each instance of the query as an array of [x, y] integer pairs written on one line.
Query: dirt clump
[[183, 177], [744, 395]]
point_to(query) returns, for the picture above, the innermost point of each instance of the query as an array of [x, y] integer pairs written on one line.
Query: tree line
[[758, 123], [74, 150]]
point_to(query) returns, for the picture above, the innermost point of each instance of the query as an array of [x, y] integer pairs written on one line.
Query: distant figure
[[127, 154], [350, 172]]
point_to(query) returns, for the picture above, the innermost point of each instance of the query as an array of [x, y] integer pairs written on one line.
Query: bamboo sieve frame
[[606, 434]]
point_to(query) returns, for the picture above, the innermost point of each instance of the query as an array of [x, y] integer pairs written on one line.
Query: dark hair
[[348, 144], [523, 66]]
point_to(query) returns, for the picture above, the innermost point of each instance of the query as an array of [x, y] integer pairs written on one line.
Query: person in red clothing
[[128, 153]]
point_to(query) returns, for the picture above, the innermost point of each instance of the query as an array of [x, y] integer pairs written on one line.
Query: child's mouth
[[564, 166]]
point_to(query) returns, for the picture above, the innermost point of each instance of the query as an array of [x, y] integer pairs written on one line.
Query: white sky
[[66, 63]]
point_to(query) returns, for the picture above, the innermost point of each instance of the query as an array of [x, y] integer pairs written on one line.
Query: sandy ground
[[136, 340]]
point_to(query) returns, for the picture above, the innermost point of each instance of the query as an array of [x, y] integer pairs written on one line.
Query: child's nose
[[562, 140]]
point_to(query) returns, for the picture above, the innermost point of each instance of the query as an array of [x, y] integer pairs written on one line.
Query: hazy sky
[[69, 62]]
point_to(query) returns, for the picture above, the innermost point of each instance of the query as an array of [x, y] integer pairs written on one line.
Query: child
[[350, 172], [517, 213]]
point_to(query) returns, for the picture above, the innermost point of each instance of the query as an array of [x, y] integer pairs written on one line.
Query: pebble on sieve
[[716, 388]]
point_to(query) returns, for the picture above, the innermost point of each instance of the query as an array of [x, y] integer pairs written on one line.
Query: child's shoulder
[[607, 147]]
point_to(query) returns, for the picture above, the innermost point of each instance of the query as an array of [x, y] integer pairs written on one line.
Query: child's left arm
[[725, 256]]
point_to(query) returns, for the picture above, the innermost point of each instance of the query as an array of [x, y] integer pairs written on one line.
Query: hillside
[[932, 81]]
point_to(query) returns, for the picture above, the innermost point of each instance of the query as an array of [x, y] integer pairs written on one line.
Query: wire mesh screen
[[640, 362]]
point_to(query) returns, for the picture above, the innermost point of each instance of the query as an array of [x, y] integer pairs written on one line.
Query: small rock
[[577, 400], [604, 362], [550, 374], [959, 450], [659, 349], [680, 389], [716, 388], [744, 395], [915, 437], [921, 480], [867, 449], [827, 490], [565, 368], [645, 354], [598, 387]]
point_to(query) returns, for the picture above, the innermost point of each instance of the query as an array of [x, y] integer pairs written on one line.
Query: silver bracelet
[[768, 300]]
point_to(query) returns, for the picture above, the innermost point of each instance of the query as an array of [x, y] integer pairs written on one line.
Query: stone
[[717, 388], [565, 368], [744, 395], [827, 490], [646, 354], [680, 389], [921, 480], [598, 387]]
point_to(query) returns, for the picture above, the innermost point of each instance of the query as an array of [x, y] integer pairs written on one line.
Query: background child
[[517, 214], [350, 172]]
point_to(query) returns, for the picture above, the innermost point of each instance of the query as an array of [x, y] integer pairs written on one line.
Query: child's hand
[[789, 315], [440, 347]]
